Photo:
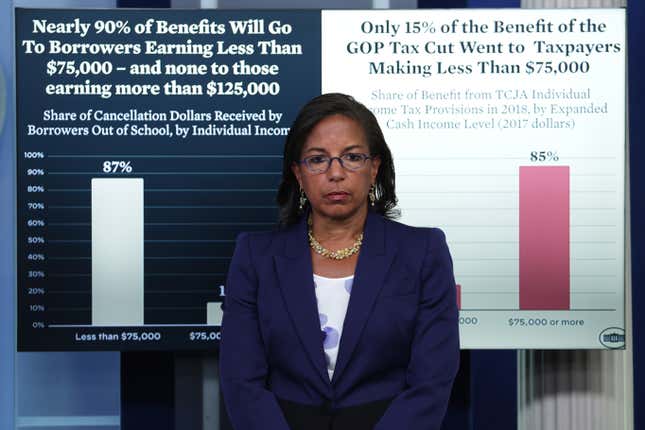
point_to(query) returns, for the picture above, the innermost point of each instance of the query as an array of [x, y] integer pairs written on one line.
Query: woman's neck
[[332, 230]]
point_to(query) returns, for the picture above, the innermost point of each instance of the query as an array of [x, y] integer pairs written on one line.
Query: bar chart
[[524, 173], [535, 248], [129, 204], [141, 255]]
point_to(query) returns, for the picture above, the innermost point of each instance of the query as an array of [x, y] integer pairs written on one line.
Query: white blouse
[[332, 296]]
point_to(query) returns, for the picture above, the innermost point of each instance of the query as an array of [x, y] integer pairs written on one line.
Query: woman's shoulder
[[258, 239], [414, 233], [265, 242], [416, 247]]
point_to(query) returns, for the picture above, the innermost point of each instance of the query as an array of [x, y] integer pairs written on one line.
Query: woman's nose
[[336, 170]]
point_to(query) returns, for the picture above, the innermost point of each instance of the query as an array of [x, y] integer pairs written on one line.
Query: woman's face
[[338, 193]]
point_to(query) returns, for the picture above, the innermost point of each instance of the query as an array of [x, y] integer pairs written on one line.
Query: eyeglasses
[[322, 163]]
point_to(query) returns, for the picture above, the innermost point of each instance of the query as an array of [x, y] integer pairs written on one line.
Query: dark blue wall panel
[[144, 3], [147, 390], [493, 3], [636, 87], [493, 389], [454, 4], [442, 4]]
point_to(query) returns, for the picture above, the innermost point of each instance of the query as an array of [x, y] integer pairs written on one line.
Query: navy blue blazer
[[400, 335]]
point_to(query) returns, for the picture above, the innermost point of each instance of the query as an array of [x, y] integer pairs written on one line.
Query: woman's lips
[[337, 196]]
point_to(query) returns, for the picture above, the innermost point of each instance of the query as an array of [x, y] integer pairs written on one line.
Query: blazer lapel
[[373, 264], [296, 281]]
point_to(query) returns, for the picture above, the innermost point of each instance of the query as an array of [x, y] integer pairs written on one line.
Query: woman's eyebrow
[[351, 147], [316, 149], [346, 149]]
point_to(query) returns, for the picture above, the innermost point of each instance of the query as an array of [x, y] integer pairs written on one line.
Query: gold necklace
[[334, 255]]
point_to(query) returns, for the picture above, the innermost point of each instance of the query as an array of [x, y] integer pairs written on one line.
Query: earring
[[302, 200], [372, 194]]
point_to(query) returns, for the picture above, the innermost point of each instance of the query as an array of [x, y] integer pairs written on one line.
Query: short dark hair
[[309, 116]]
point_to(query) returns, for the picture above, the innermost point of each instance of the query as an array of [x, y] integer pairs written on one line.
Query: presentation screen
[[147, 140]]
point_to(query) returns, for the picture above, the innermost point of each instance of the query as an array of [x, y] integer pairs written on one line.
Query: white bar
[[117, 251], [214, 313]]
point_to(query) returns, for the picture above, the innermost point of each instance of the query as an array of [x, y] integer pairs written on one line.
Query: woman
[[342, 319]]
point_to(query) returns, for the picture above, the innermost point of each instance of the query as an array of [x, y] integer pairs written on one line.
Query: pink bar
[[458, 296], [544, 237]]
